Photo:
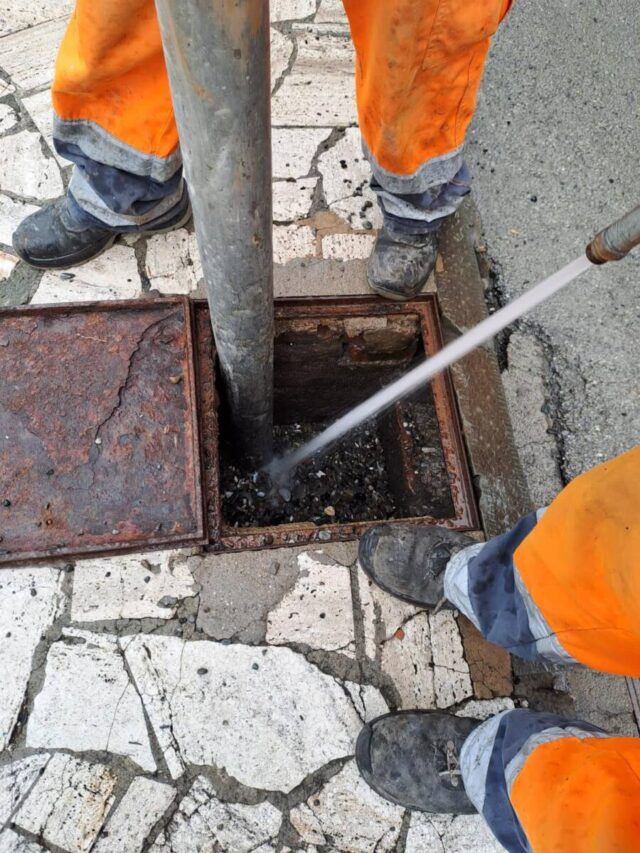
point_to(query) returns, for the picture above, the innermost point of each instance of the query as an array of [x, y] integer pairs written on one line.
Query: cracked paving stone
[[331, 12], [292, 241], [25, 170], [30, 600], [451, 672], [347, 247], [16, 780], [142, 806], [489, 665], [382, 614], [281, 50], [290, 10], [11, 842], [12, 213], [347, 815], [368, 701], [7, 265], [482, 709], [345, 182], [135, 586], [113, 275], [203, 822], [8, 118], [173, 262], [29, 56], [237, 591], [406, 659], [68, 804], [40, 109], [292, 199], [450, 834], [294, 148], [17, 14], [317, 611], [87, 701], [319, 89], [266, 716]]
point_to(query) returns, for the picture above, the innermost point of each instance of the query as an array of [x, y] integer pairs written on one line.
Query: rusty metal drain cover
[[99, 446]]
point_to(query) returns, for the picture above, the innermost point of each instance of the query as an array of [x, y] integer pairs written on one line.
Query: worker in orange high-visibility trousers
[[418, 70], [563, 586]]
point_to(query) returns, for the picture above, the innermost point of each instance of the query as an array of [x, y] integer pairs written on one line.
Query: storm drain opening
[[409, 464]]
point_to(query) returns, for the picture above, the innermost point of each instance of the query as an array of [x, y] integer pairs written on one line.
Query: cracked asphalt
[[554, 151]]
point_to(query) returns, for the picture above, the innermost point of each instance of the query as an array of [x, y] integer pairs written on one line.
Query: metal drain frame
[[201, 398], [223, 537]]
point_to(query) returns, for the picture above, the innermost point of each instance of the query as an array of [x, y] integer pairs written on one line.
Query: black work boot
[[412, 759], [408, 561], [400, 264], [52, 239]]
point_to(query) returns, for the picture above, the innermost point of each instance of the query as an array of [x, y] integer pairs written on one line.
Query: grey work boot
[[411, 758], [51, 239], [400, 264], [408, 561]]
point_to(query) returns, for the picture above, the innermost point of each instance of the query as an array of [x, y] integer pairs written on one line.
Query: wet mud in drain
[[359, 478]]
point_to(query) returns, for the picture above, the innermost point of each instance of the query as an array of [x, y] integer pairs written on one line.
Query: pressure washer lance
[[612, 244]]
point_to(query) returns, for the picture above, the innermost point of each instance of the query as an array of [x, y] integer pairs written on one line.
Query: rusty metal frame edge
[[464, 500], [199, 537]]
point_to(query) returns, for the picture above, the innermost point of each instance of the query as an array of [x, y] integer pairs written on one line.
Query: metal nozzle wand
[[616, 241]]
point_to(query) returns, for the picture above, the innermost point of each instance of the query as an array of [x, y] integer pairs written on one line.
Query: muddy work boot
[[52, 239], [412, 759], [408, 561], [401, 263]]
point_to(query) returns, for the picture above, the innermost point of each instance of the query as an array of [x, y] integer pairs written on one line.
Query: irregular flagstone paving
[[174, 702], [87, 672], [203, 822], [232, 706], [30, 600], [349, 814]]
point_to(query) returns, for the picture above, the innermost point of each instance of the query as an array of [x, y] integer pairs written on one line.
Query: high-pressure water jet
[[613, 243]]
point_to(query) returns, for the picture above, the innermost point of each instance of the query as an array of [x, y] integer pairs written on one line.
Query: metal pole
[[217, 54]]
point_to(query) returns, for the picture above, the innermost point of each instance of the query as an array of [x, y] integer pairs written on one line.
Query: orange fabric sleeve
[[418, 71], [574, 796], [581, 565], [110, 70]]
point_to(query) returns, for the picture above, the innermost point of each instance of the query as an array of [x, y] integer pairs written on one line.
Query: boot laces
[[453, 771]]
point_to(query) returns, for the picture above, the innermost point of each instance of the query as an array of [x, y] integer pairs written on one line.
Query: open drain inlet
[[407, 465]]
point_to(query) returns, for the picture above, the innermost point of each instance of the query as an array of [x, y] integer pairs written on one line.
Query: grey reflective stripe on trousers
[[93, 203], [438, 170], [102, 147], [494, 754], [505, 612]]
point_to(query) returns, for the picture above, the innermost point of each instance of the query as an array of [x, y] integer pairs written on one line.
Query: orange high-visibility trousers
[[581, 566], [564, 583], [554, 785], [419, 66], [576, 794]]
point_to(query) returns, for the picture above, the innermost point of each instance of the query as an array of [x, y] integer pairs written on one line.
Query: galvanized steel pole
[[217, 54]]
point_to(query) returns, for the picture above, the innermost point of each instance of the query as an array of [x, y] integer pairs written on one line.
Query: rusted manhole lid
[[98, 429]]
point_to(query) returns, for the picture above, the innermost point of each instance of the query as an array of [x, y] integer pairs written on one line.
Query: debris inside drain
[[349, 483]]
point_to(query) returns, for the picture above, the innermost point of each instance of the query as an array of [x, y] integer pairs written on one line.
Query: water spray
[[611, 244]]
